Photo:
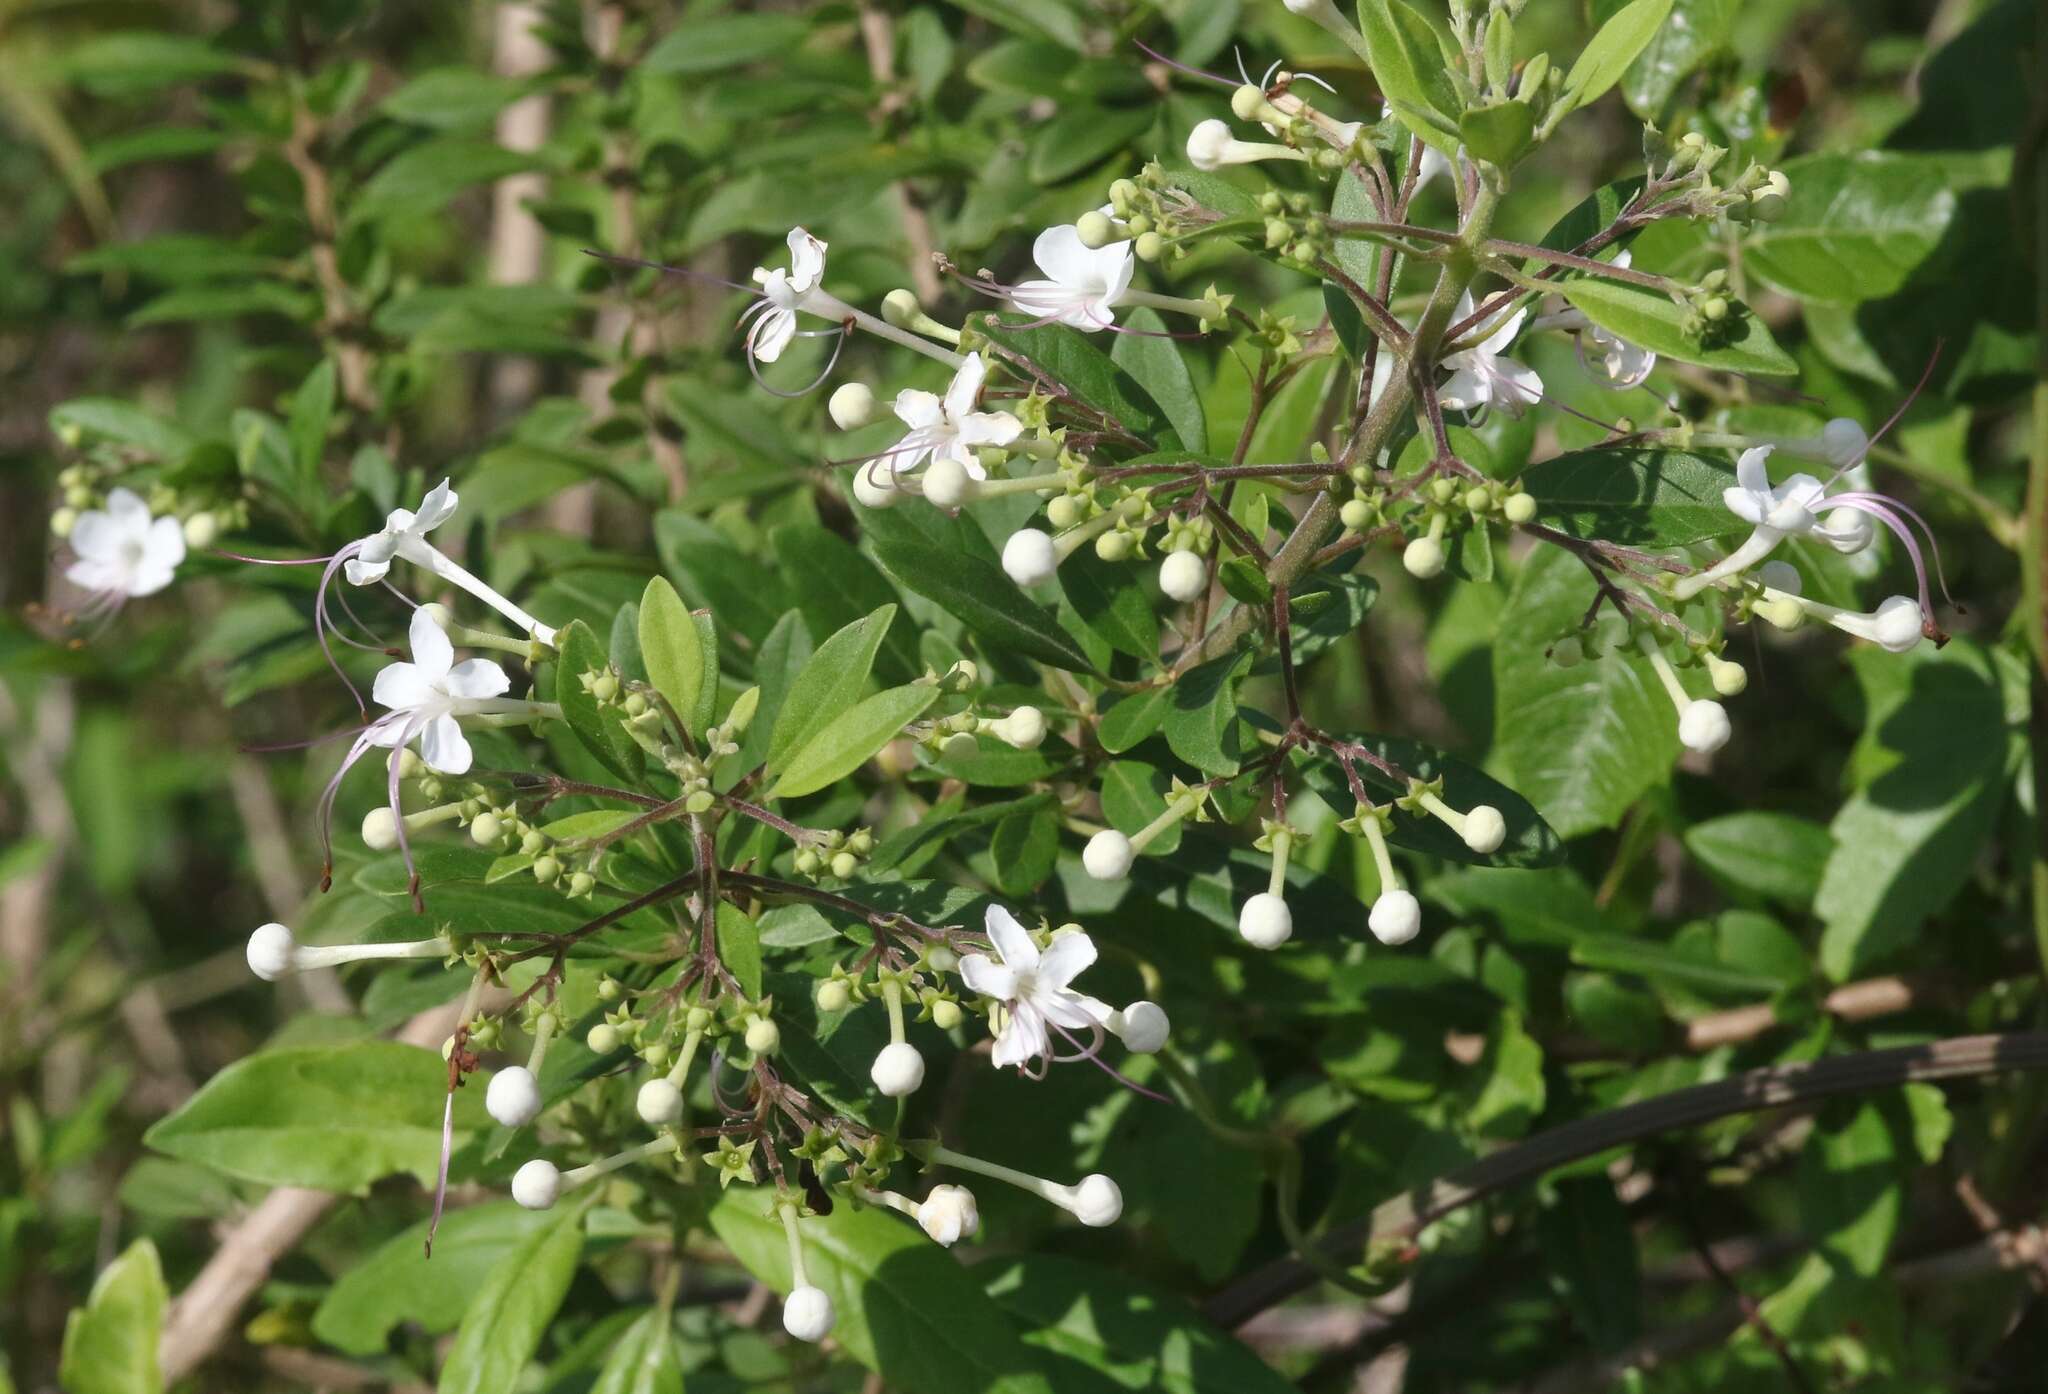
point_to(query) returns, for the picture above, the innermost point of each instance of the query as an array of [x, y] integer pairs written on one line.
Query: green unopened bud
[[945, 1014], [844, 865], [699, 801], [833, 996], [1715, 308], [62, 521], [1356, 515], [486, 830], [1568, 652], [603, 1038], [636, 704], [1113, 546], [582, 883], [1477, 499], [762, 1037], [1095, 229], [609, 989], [1520, 508], [806, 862], [1063, 512], [1149, 246], [546, 870]]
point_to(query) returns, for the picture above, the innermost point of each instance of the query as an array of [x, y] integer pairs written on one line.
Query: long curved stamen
[[838, 347], [397, 762], [1156, 56], [325, 808], [1096, 1059], [688, 273], [1881, 508], [321, 624], [1926, 374]]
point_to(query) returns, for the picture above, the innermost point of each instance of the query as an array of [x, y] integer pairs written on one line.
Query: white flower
[[1095, 1200], [123, 553], [1143, 1026], [949, 1214], [1703, 725], [404, 536], [1082, 284], [783, 293], [1788, 508], [1481, 377], [274, 951], [898, 1070], [1898, 624], [537, 1184], [1613, 363], [808, 1314], [1032, 987], [428, 692], [852, 406], [948, 428], [1485, 830], [513, 1097], [1211, 146]]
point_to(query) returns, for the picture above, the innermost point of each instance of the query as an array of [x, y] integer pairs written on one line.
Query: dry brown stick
[[518, 242], [1407, 1214], [878, 36], [201, 1316], [1874, 997]]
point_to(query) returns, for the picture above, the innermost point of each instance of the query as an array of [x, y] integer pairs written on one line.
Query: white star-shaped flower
[[1032, 987], [783, 293], [1790, 507], [1481, 377], [1082, 284], [948, 428], [425, 694], [402, 536], [122, 552]]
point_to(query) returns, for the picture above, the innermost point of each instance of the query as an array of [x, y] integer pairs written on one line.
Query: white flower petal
[[365, 573], [95, 536], [1064, 960], [806, 260], [476, 678], [1013, 942], [443, 746], [987, 977], [1464, 390], [1023, 1038], [435, 509], [1515, 387], [918, 409], [403, 687], [164, 547], [965, 388], [1750, 472], [771, 335], [129, 512], [1743, 504]]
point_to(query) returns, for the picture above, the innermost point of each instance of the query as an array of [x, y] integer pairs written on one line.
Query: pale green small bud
[[1095, 229], [833, 996], [485, 830], [945, 1014], [546, 870], [1063, 512], [762, 1037], [844, 865], [582, 883], [63, 521], [1520, 508], [603, 1038], [1149, 246], [1356, 515], [1113, 546]]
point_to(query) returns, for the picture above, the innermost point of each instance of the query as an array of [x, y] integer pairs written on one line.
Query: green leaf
[[1501, 134], [1695, 31], [1161, 367], [1201, 725], [1505, 1090], [1133, 794], [1217, 193], [719, 43], [452, 98], [600, 726], [739, 948], [1109, 600], [1850, 1196], [399, 1284], [1654, 321], [851, 739], [1139, 1336], [423, 178], [1530, 842], [1408, 60], [1583, 743], [1775, 855], [110, 1343], [513, 1307], [1589, 1245], [1135, 716], [904, 1307], [105, 418], [830, 683], [1023, 849], [1082, 135], [1855, 227], [645, 1360], [670, 648], [142, 60], [1090, 376], [1603, 61], [835, 585], [312, 413], [1594, 213], [1931, 776], [1655, 498], [330, 1117], [982, 597]]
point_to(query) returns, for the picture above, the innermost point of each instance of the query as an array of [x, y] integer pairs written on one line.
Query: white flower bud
[[1029, 558], [514, 1097], [486, 829], [1424, 558], [658, 1103], [1703, 726], [832, 996], [1108, 855], [201, 529], [270, 952], [898, 1070], [763, 1037], [1265, 921], [874, 486], [852, 406], [1485, 830], [949, 1214], [1843, 441], [1095, 1201], [808, 1314], [1396, 917], [1520, 508], [947, 484], [1208, 145], [380, 829], [1023, 728], [1183, 576], [1847, 530], [537, 1184], [1896, 624], [1780, 576], [1145, 1027]]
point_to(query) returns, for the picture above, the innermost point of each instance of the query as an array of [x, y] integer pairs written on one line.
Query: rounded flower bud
[[514, 1097], [63, 521], [658, 1103], [1520, 508], [898, 1070], [852, 406], [1023, 728], [1424, 558], [1729, 678], [1063, 512], [1095, 229], [844, 864], [808, 1314], [1703, 726], [1847, 530], [1183, 576], [1113, 546], [1396, 917], [763, 1037], [1568, 652], [1780, 576], [1108, 855], [1247, 102], [1843, 441], [1145, 1027], [1356, 514], [947, 484], [1485, 830], [486, 829], [875, 488], [949, 1215], [603, 1038], [832, 996], [537, 1184], [201, 529], [1208, 143], [1097, 1201], [1899, 625], [380, 829], [1029, 558], [270, 952], [945, 1014], [1265, 921]]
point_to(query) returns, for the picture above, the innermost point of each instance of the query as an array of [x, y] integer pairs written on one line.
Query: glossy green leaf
[[1160, 366], [1501, 134], [1133, 717], [1769, 854], [1651, 319], [1083, 134], [600, 726], [834, 585], [1089, 376], [981, 596], [1201, 724], [1603, 60], [1408, 61], [1111, 602], [1024, 848], [334, 1118], [398, 1284], [1653, 498], [513, 1307], [904, 1306], [1133, 794], [110, 1343], [669, 647], [645, 1360], [1694, 32], [829, 684], [739, 948], [718, 43], [1855, 227], [851, 739]]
